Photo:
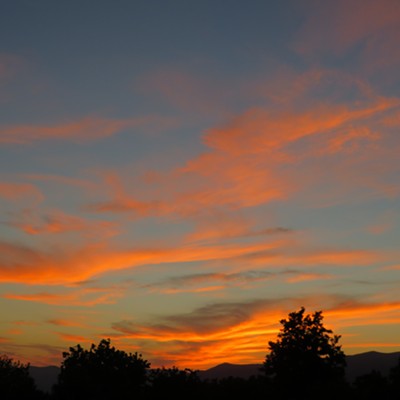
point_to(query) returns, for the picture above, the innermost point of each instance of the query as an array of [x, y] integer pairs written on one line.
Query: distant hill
[[361, 364], [225, 370], [358, 364]]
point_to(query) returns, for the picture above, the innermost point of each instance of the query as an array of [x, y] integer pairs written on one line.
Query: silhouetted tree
[[306, 358], [15, 381], [228, 388], [174, 383], [394, 379], [102, 372], [371, 386]]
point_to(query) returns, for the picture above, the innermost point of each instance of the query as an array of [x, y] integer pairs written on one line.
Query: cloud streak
[[203, 282], [85, 297], [263, 156], [25, 265], [58, 222], [22, 264], [12, 191], [82, 130]]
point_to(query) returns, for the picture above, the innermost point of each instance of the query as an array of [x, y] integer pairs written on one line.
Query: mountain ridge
[[357, 365]]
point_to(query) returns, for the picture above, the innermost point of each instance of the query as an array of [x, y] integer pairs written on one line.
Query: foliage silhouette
[[174, 383], [15, 381], [102, 372], [371, 386], [306, 358], [394, 378], [234, 387]]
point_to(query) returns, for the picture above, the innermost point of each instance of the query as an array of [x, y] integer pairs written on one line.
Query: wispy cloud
[[208, 281], [65, 265], [12, 191], [75, 339], [85, 297], [218, 227], [59, 222], [85, 129], [202, 282], [65, 322], [264, 155], [68, 265]]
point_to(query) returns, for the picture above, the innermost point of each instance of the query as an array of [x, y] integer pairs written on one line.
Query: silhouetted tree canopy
[[371, 386], [174, 383], [102, 372], [15, 381], [394, 378], [305, 358]]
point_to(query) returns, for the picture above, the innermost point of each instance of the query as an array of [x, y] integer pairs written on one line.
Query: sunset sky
[[179, 175]]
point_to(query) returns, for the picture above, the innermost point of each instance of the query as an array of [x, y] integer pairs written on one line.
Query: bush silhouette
[[102, 372], [15, 381], [306, 358], [394, 378], [174, 383], [371, 386]]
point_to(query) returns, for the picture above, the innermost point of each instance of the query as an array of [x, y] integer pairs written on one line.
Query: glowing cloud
[[85, 129]]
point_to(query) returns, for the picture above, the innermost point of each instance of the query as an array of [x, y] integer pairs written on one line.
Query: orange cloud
[[354, 313], [62, 265], [263, 156], [18, 191], [58, 222], [259, 131], [25, 265], [122, 201], [225, 227], [294, 256], [65, 322], [15, 332], [88, 128], [203, 282], [213, 281], [68, 264], [204, 289], [303, 277], [73, 338], [85, 297]]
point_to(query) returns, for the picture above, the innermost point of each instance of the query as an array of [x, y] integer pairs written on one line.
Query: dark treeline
[[305, 362]]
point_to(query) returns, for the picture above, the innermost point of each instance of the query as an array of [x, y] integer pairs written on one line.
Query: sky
[[178, 175]]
